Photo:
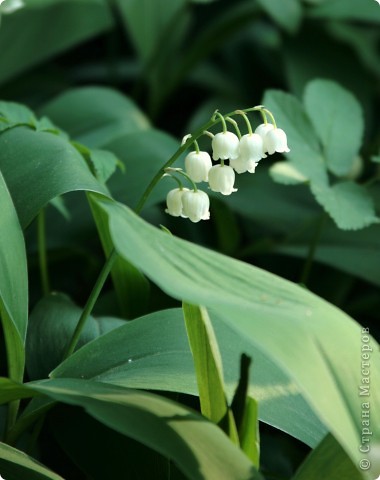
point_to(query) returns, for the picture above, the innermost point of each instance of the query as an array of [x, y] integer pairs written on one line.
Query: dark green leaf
[[51, 326], [198, 447], [13, 284], [74, 22], [287, 13], [132, 357], [39, 166], [95, 116], [16, 465]]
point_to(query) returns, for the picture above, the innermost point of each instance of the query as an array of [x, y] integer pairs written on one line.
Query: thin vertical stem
[[312, 249], [42, 254], [91, 302]]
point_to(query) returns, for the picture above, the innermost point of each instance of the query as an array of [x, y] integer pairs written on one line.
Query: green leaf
[[147, 31], [287, 13], [104, 164], [95, 116], [131, 356], [311, 339], [39, 166], [348, 203], [13, 284], [142, 153], [107, 453], [289, 215], [131, 286], [328, 460], [286, 173], [16, 465], [51, 326], [338, 119], [198, 447], [305, 153], [343, 10], [75, 22], [10, 391], [249, 433], [15, 114], [207, 362]]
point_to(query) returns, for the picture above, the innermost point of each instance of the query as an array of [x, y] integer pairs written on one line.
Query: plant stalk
[[42, 254]]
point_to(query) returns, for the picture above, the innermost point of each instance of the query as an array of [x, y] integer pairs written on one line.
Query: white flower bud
[[197, 166], [174, 202], [221, 179], [196, 205], [252, 147], [225, 145], [276, 141]]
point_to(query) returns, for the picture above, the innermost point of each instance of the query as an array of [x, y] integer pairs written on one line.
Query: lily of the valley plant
[[243, 152]]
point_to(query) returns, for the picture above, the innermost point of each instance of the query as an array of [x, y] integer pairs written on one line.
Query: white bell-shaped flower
[[221, 179], [276, 141], [262, 130], [225, 145], [252, 147], [196, 205], [174, 202], [241, 165], [197, 166]]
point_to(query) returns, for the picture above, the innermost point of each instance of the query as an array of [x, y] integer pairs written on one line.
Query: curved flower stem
[[236, 126], [246, 119], [42, 257], [181, 172], [265, 110], [91, 302]]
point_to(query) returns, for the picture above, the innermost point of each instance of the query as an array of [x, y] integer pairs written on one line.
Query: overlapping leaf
[[316, 343]]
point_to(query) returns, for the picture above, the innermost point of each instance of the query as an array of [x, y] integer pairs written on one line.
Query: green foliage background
[[95, 97]]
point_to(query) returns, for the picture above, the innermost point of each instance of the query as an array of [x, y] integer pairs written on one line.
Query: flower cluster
[[243, 152]]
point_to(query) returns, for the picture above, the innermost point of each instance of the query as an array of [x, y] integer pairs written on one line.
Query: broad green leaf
[[329, 106], [132, 288], [198, 447], [14, 113], [143, 154], [348, 203], [305, 152], [51, 326], [150, 31], [207, 362], [328, 461], [286, 173], [104, 164], [95, 116], [16, 465], [287, 13], [10, 391], [13, 284], [108, 454], [316, 343], [75, 22], [342, 10], [39, 166], [131, 357], [310, 163], [291, 214]]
